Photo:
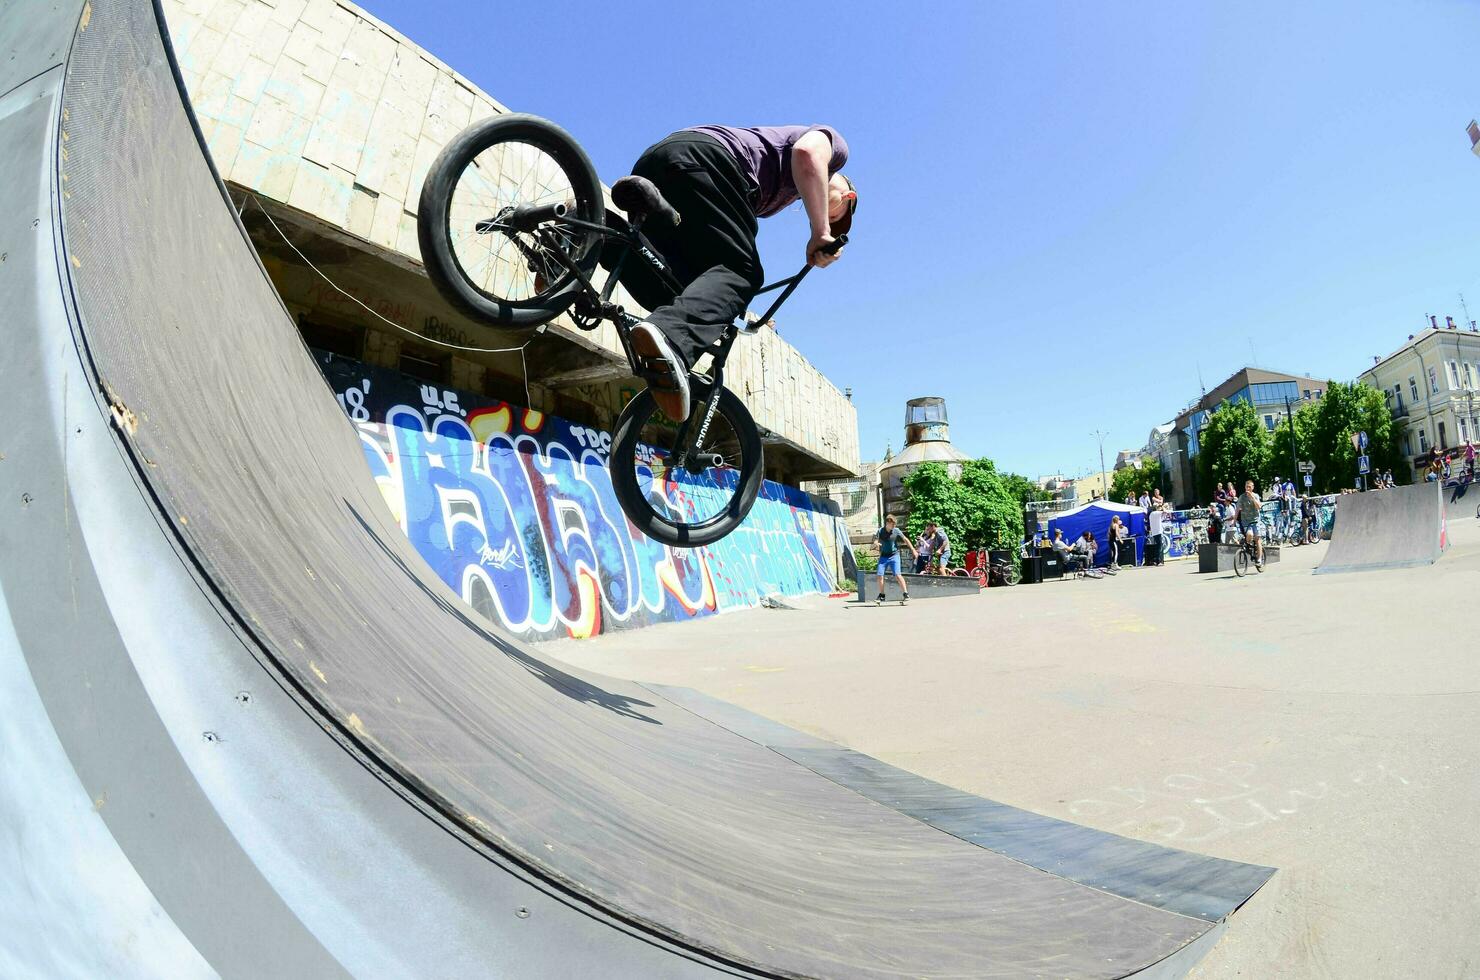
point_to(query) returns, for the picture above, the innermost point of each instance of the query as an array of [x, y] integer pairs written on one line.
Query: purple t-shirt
[[764, 156]]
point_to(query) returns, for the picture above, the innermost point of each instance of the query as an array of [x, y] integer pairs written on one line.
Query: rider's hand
[[819, 258]]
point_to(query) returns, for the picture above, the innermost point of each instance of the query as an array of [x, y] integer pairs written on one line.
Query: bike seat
[[641, 199]]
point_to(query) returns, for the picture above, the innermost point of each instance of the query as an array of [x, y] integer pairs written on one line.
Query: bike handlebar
[[832, 247]]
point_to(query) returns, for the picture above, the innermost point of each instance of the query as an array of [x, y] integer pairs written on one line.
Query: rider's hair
[[888, 518]]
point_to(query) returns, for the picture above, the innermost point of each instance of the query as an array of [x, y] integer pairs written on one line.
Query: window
[[1433, 381], [1413, 387], [1269, 422], [1464, 430], [1443, 441], [423, 368], [1305, 393], [1423, 441], [1407, 445], [1318, 394], [1469, 378], [1453, 374]]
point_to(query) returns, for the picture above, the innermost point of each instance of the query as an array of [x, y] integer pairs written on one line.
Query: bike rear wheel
[[489, 220], [687, 485], [1241, 563]]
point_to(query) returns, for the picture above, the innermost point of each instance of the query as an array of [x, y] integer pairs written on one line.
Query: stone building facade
[[1432, 388]]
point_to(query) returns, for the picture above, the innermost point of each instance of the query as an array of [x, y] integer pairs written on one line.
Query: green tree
[[1135, 480], [1346, 409], [1304, 421], [1233, 446], [1024, 489], [977, 511]]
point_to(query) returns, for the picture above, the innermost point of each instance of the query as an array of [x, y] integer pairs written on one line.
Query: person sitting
[[1065, 553], [1085, 548]]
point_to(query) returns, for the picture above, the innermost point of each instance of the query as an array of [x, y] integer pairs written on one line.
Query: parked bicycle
[[511, 225]]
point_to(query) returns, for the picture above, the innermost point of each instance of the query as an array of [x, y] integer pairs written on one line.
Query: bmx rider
[[720, 179], [1248, 519]]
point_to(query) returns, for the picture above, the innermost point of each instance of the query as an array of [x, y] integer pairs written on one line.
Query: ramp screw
[[244, 697], [210, 736], [522, 912]]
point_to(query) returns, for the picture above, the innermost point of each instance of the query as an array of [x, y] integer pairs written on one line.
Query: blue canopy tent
[[1096, 517]]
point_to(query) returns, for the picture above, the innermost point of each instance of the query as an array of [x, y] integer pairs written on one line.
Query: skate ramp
[[248, 732], [1396, 528]]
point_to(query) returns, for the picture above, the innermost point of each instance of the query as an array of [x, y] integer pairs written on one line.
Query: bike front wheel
[[687, 485], [1241, 563], [493, 214]]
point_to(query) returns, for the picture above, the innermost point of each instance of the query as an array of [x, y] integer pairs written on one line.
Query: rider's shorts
[[890, 565], [1249, 528], [945, 558]]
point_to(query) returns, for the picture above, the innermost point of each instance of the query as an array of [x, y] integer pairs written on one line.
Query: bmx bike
[[1247, 555], [512, 223]]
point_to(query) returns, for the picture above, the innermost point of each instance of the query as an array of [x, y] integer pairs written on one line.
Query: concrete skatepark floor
[[1326, 725]]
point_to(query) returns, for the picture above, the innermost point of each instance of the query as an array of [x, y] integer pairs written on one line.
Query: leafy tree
[[1135, 480], [1234, 446], [1024, 489], [1346, 409], [978, 511], [1304, 421]]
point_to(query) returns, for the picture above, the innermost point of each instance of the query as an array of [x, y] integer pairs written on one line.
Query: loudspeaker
[[1033, 570]]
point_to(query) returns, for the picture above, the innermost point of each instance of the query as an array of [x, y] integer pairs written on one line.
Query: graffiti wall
[[515, 511]]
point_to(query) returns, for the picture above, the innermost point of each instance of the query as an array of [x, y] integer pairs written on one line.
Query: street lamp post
[[1104, 482]]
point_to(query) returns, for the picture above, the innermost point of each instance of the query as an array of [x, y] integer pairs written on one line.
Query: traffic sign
[[1362, 443], [1362, 465], [1306, 466], [1308, 480]]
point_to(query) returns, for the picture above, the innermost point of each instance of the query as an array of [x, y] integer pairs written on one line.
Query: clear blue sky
[[1067, 209]]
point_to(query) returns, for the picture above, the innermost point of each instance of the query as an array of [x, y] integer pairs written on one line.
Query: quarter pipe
[[1395, 528], [244, 730]]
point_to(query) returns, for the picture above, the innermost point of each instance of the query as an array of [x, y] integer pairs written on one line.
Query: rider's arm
[[810, 157]]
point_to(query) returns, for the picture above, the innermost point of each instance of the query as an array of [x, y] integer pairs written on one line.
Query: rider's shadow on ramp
[[569, 685]]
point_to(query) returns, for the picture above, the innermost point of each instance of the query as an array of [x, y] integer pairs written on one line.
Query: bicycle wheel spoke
[[513, 266]]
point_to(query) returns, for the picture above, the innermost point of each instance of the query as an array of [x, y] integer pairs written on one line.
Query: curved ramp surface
[[281, 746], [1395, 528]]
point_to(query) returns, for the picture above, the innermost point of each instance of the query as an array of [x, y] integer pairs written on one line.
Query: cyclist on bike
[[1248, 520], [720, 179]]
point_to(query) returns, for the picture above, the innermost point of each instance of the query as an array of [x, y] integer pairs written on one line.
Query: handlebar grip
[[832, 247]]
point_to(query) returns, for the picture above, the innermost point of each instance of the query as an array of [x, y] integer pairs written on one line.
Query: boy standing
[[890, 537]]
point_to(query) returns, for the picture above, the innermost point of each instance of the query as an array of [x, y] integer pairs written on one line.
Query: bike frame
[[599, 304]]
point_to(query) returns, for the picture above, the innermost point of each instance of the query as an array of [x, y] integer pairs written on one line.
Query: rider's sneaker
[[880, 600], [905, 599], [667, 377]]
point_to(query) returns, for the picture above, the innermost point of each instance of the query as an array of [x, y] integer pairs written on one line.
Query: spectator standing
[[1116, 532], [1469, 460], [1153, 534], [890, 538], [941, 542], [1215, 521], [923, 552], [1144, 501]]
